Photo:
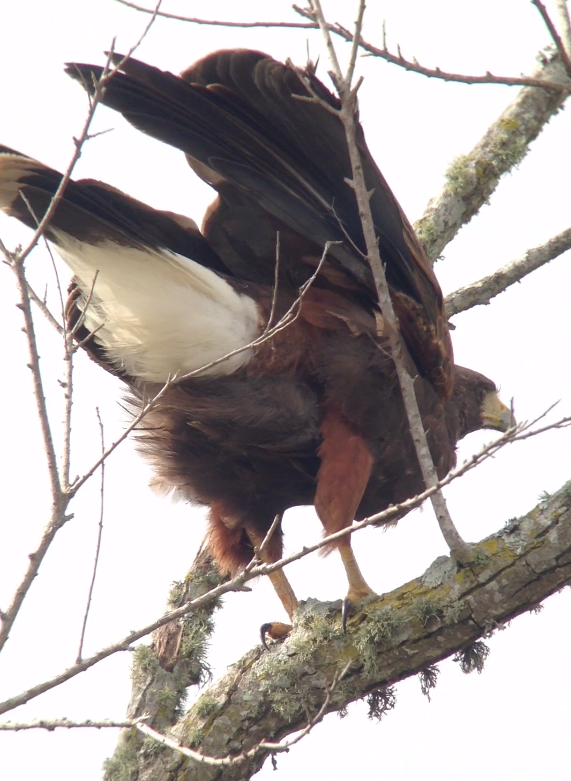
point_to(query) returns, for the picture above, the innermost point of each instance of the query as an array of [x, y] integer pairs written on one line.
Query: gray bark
[[268, 695], [472, 178]]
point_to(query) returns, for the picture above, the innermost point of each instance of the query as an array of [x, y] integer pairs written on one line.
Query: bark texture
[[268, 695], [482, 291], [472, 178]]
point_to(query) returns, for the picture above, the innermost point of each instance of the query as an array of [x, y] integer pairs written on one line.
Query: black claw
[[264, 630], [345, 611]]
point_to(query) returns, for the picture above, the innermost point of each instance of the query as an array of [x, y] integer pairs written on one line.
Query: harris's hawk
[[314, 413]]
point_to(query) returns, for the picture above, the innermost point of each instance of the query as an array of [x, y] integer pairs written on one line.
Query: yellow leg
[[358, 586], [276, 629]]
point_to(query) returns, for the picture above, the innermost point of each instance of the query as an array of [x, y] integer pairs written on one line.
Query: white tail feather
[[159, 314]]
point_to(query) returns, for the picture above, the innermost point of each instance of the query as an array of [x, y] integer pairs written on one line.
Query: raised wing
[[149, 298], [282, 161]]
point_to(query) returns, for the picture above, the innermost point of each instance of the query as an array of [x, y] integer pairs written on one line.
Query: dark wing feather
[[94, 212], [236, 116]]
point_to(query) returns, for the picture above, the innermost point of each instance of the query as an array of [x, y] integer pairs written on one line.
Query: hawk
[[284, 391]]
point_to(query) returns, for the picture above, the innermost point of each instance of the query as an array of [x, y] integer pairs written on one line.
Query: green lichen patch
[[460, 174], [122, 766], [145, 663]]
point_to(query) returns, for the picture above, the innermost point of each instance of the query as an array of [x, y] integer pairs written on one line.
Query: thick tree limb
[[482, 291], [267, 696], [472, 178]]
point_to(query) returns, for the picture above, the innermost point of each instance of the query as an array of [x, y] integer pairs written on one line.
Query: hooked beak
[[495, 414]]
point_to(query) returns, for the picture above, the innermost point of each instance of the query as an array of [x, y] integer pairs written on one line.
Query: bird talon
[[275, 630]]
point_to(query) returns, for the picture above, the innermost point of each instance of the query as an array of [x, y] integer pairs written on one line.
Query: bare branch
[[79, 142], [94, 99], [472, 178], [562, 51], [218, 22], [52, 724], [565, 22], [269, 535], [60, 496], [287, 319], [80, 481], [39, 395], [406, 382], [276, 285], [262, 746], [98, 542], [41, 304], [482, 291], [435, 73], [399, 635], [522, 431], [369, 48], [57, 520]]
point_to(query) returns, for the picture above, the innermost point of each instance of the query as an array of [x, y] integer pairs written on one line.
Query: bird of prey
[[258, 419]]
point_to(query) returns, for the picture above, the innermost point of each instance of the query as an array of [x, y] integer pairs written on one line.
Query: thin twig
[[80, 481], [522, 431], [67, 385], [98, 543], [289, 317], [78, 143], [269, 535], [347, 117], [52, 724], [217, 22], [37, 381], [94, 99], [355, 44], [565, 22], [559, 45], [286, 320], [83, 313], [41, 304], [276, 284], [435, 73], [203, 759], [60, 497], [381, 52], [57, 520]]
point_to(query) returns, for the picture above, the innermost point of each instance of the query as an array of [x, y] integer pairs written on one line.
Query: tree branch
[[268, 695], [555, 37], [376, 51], [482, 291], [472, 178], [565, 22], [218, 22], [346, 114], [434, 73], [522, 431]]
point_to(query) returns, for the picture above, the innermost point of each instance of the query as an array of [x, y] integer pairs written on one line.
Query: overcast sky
[[509, 723]]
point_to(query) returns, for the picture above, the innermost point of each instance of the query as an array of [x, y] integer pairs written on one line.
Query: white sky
[[509, 723]]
